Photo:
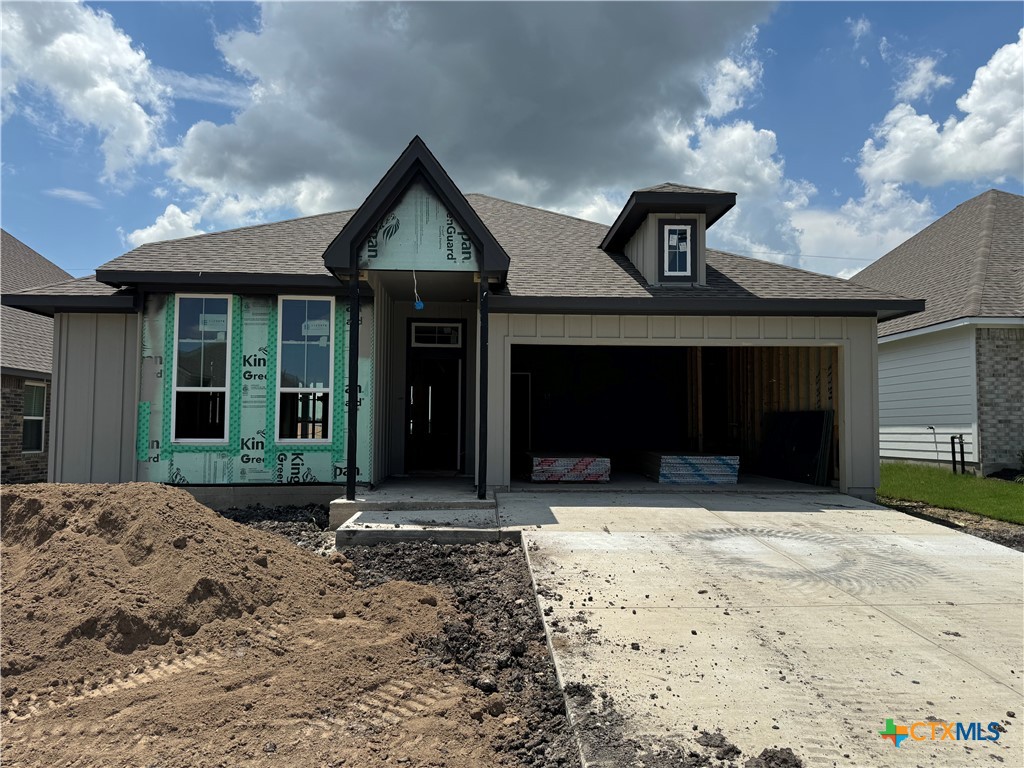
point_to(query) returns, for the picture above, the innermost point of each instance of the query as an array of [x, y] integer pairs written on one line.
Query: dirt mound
[[140, 627], [96, 570]]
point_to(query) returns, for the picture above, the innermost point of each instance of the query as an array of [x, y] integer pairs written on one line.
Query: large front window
[[201, 361], [305, 356]]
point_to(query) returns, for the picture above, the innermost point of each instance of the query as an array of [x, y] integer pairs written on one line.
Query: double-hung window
[[676, 250], [202, 360], [33, 418], [305, 355]]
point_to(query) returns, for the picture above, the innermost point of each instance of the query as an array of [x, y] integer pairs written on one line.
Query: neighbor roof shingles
[[969, 263], [552, 255], [26, 340]]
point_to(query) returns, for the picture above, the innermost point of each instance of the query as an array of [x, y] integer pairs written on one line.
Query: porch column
[[481, 487], [353, 383]]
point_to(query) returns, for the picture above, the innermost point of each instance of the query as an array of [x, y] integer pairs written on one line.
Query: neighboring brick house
[[26, 357], [958, 367]]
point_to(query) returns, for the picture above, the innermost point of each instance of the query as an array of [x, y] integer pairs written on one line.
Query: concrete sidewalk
[[801, 620]]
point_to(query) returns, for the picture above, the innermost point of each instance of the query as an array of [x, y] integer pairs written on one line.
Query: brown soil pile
[[140, 628]]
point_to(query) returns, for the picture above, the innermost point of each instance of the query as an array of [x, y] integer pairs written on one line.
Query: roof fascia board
[[980, 322], [49, 305], [674, 306], [196, 279], [25, 373], [416, 161]]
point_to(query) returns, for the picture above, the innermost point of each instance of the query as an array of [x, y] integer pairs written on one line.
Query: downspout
[[481, 485], [353, 381]]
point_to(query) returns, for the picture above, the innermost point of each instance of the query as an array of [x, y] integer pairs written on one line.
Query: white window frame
[[226, 389], [41, 419], [669, 228], [437, 324], [279, 390]]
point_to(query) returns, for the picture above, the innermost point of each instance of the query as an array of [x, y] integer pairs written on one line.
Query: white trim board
[[980, 322]]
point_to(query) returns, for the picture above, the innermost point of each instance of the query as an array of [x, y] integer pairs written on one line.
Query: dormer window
[[677, 250]]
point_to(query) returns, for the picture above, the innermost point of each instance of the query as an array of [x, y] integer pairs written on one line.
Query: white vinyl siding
[[927, 381]]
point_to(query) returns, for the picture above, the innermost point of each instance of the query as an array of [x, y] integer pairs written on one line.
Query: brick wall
[[1000, 396], [15, 466]]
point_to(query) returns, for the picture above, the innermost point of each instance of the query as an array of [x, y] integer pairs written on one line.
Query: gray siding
[[927, 381], [95, 374], [642, 248]]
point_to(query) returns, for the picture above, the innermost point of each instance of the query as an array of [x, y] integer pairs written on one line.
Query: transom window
[[305, 356], [34, 416], [676, 250], [201, 362], [436, 335]]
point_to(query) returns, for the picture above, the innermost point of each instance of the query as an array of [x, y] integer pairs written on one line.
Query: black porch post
[[481, 488], [353, 383]]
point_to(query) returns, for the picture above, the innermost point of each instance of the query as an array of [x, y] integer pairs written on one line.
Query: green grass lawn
[[941, 488]]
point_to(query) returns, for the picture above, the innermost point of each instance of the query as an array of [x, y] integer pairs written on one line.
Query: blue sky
[[844, 127]]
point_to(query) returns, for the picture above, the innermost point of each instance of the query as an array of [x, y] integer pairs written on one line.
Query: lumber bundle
[[679, 469], [569, 468]]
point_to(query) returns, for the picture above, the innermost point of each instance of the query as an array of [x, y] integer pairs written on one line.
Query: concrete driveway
[[802, 620]]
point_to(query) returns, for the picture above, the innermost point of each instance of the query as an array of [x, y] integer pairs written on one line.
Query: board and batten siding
[[854, 337], [927, 381], [94, 399]]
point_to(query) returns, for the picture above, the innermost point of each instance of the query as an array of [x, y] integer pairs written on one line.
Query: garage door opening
[[774, 407]]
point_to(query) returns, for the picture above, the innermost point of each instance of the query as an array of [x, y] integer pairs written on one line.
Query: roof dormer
[[662, 230]]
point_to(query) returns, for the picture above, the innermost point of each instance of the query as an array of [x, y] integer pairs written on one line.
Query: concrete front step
[[342, 510], [445, 526]]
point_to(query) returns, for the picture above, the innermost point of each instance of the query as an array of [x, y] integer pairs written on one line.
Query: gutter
[[887, 309]]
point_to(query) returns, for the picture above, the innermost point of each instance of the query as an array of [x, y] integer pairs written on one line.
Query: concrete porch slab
[[445, 526], [410, 494]]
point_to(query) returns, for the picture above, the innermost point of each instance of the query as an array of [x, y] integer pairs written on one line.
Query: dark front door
[[434, 414]]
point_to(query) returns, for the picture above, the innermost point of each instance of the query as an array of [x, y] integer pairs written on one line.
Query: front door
[[435, 404]]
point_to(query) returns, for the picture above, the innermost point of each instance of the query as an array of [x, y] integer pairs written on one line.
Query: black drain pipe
[[953, 439], [481, 485], [352, 468]]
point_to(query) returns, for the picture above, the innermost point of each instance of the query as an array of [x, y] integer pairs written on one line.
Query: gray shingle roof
[[671, 186], [26, 340], [552, 255], [292, 247], [969, 263], [557, 255], [79, 286]]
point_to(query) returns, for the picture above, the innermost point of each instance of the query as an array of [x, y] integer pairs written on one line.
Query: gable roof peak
[[415, 163]]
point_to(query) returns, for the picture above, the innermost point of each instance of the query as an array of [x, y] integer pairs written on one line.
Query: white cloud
[[206, 88], [921, 80], [861, 230], [169, 225], [75, 196], [77, 57], [986, 143], [733, 79], [858, 28]]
